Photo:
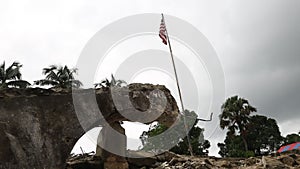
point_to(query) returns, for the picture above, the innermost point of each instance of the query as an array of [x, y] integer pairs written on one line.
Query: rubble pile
[[169, 160]]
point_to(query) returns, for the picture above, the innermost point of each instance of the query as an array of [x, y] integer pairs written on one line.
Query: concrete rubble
[[170, 160]]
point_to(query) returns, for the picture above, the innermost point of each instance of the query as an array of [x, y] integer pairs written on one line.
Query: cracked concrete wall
[[39, 127], [40, 131]]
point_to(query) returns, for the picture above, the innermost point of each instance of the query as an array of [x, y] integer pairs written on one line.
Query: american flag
[[162, 32]]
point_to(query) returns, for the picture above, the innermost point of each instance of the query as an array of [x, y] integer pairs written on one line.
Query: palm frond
[[113, 81], [2, 70], [2, 66], [13, 73], [51, 75], [13, 65], [59, 76], [60, 70], [49, 69], [3, 85], [97, 85]]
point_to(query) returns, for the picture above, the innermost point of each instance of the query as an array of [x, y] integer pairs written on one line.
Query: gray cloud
[[264, 56], [257, 42]]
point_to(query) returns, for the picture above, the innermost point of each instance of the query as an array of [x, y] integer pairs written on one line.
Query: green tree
[[232, 147], [235, 116], [11, 76], [59, 77], [156, 145], [263, 135], [113, 82], [292, 138], [199, 145]]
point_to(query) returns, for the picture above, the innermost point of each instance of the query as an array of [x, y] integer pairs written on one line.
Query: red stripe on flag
[[162, 32]]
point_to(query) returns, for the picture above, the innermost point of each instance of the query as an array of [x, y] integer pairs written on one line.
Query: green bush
[[248, 154]]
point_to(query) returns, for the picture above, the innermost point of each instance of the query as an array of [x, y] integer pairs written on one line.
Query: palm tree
[[235, 116], [59, 77], [12, 76], [112, 83]]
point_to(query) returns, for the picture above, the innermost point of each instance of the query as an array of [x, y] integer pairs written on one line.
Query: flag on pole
[[162, 32]]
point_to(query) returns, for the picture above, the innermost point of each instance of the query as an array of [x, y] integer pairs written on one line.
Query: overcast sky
[[256, 41]]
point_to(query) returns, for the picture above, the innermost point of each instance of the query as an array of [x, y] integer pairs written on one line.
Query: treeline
[[55, 77], [199, 145], [247, 135]]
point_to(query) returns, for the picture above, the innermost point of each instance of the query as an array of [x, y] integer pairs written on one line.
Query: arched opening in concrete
[[84, 150], [87, 142], [83, 153], [133, 131]]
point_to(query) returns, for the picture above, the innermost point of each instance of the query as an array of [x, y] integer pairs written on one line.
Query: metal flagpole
[[180, 96]]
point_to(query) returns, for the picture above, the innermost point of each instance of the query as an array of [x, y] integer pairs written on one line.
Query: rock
[[287, 160], [142, 162], [164, 165], [6, 153], [208, 162], [271, 163], [85, 161], [202, 166], [17, 149], [250, 161], [177, 160], [297, 159], [188, 162], [224, 163], [141, 159], [187, 165], [166, 156], [115, 163]]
